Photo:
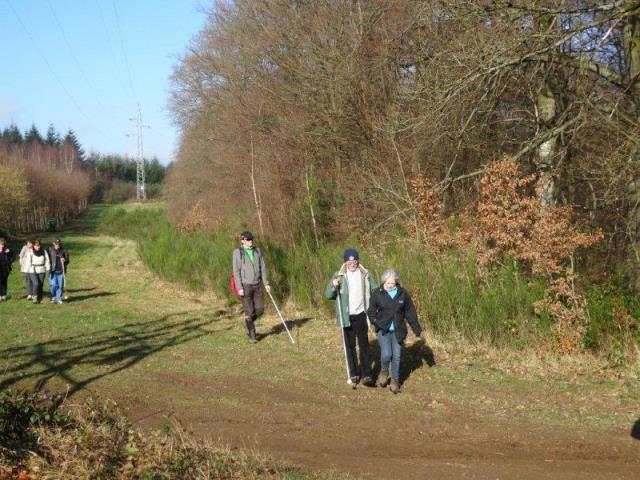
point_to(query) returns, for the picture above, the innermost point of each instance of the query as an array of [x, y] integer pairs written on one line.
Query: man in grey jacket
[[250, 276]]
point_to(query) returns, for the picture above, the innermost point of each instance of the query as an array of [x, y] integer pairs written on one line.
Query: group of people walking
[[360, 304], [36, 263]]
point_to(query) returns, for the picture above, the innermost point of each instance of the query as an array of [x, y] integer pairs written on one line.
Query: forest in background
[[51, 178], [508, 129]]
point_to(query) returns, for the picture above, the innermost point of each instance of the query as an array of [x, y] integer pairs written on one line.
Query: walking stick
[[344, 340], [283, 322], [64, 282]]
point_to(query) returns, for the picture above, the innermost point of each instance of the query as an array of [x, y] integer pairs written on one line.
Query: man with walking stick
[[59, 261], [250, 275], [351, 287]]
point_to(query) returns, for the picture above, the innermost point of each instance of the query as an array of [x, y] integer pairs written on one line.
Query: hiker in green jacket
[[250, 276], [352, 286]]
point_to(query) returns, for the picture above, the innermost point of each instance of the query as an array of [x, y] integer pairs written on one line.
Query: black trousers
[[4, 277], [358, 331], [253, 302]]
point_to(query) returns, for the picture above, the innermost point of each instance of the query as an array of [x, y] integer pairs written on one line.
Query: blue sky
[[94, 61]]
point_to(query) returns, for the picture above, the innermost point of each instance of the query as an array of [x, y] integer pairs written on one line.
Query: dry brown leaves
[[508, 221]]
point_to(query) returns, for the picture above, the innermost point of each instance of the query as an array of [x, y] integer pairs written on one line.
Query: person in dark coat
[[59, 259], [389, 310], [6, 259]]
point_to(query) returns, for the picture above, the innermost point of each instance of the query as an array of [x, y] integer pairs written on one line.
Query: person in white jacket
[[39, 265], [24, 269]]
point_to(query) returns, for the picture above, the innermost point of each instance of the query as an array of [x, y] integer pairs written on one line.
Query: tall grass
[[451, 297]]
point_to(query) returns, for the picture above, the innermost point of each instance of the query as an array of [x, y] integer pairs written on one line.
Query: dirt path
[[174, 358]]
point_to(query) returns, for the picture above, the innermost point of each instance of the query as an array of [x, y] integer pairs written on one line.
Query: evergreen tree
[[53, 138], [12, 135], [33, 136], [70, 138]]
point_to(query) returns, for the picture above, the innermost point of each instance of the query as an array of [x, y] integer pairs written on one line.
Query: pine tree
[[33, 136], [12, 135], [70, 138], [53, 138]]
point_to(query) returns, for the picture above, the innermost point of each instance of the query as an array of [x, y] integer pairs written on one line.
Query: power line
[[75, 58], [113, 55], [124, 52], [53, 72]]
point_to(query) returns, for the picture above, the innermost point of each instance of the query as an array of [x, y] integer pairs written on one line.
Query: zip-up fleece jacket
[[24, 268], [245, 272], [368, 283], [38, 264], [383, 310]]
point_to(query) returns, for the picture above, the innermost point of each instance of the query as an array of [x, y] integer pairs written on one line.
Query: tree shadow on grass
[[99, 353], [279, 328], [635, 430]]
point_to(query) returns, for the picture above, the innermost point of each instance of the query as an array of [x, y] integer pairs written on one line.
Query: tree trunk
[[632, 74], [256, 197]]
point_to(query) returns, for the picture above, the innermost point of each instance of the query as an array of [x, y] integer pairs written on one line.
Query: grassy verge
[[452, 298]]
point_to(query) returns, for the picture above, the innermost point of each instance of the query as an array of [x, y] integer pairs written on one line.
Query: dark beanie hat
[[247, 235], [351, 254]]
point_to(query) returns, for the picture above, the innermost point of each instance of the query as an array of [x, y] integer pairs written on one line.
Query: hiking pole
[[281, 318], [344, 340], [64, 283]]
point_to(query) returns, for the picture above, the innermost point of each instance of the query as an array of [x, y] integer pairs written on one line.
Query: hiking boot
[[395, 385], [29, 297], [251, 331], [53, 300], [383, 378], [353, 381], [368, 382]]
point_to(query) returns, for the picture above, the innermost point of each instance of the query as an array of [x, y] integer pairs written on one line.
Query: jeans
[[358, 330], [37, 282], [56, 286], [27, 282], [390, 351]]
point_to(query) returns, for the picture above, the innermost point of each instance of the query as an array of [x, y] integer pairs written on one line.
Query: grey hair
[[389, 273]]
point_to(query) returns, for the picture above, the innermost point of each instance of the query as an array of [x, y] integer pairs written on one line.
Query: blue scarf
[[392, 293]]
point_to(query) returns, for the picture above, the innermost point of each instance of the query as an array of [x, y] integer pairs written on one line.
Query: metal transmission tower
[[140, 176]]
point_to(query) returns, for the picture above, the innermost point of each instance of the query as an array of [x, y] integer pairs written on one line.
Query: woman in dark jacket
[[390, 306], [6, 257]]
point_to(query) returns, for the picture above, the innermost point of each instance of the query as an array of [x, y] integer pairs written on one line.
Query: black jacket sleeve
[[412, 316], [373, 308]]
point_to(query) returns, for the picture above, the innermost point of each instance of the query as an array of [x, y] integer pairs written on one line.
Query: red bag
[[232, 285]]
